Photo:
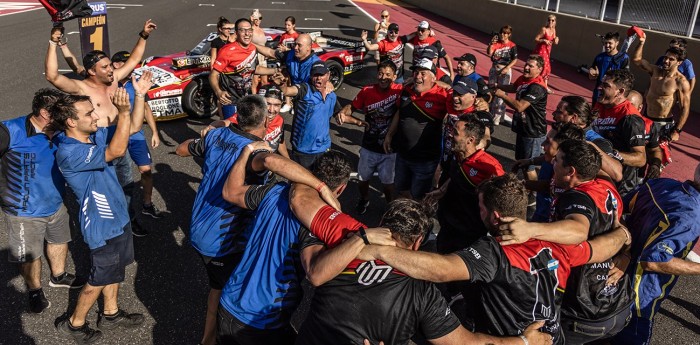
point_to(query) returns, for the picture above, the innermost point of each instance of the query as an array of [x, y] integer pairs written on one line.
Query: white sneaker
[[496, 120], [286, 108], [507, 120]]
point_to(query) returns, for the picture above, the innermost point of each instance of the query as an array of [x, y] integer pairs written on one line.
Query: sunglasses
[[422, 30], [387, 16], [227, 28], [249, 30], [394, 32]]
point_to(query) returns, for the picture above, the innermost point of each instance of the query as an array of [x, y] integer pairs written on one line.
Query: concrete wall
[[578, 43]]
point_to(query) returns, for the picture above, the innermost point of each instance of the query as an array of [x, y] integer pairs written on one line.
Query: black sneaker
[[361, 207], [82, 335], [67, 280], [37, 301], [121, 318], [151, 210], [137, 230]]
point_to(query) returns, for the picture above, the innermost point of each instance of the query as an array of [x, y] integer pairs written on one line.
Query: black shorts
[[232, 331], [219, 269], [109, 261], [663, 126]]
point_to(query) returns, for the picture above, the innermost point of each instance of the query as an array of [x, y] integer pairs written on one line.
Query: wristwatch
[[677, 130]]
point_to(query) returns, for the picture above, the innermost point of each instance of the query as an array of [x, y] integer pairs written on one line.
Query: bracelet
[[363, 235], [524, 339], [677, 130], [53, 43], [320, 186], [143, 35], [140, 95]]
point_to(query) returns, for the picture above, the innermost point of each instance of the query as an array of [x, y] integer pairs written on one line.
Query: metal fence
[[678, 17]]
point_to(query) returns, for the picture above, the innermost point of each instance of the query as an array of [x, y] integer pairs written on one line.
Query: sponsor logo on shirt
[[89, 155], [664, 247], [473, 172], [369, 273], [474, 252], [428, 105], [333, 215]]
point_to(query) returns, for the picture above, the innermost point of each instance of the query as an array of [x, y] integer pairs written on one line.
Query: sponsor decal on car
[[166, 106], [161, 77], [167, 93]]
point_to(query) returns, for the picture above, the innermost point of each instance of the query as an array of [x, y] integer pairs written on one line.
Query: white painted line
[[119, 7], [211, 24], [363, 11], [132, 5], [319, 19], [210, 5], [693, 257], [278, 3], [73, 33], [324, 29], [65, 70]]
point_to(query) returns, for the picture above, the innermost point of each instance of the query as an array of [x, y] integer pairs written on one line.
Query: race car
[[181, 80]]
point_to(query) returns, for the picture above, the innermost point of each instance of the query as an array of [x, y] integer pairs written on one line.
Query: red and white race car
[[182, 79]]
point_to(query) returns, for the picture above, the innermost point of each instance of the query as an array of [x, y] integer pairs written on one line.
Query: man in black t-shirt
[[530, 105], [371, 300], [519, 283]]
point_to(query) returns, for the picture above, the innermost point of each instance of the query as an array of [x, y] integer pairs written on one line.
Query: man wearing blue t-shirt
[[609, 59], [83, 157], [217, 226]]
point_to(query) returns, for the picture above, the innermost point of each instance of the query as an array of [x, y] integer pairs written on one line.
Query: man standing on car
[[231, 77], [315, 104]]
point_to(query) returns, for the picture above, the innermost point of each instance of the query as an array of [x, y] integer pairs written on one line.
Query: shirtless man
[[101, 78], [260, 39], [666, 82]]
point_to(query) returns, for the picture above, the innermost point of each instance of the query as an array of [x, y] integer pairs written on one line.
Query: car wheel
[[337, 73], [198, 99]]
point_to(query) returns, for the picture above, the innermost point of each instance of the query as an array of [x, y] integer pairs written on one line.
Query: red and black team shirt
[[274, 133], [420, 123], [419, 44], [393, 51], [589, 298], [531, 123], [379, 107], [522, 283], [369, 300], [288, 40], [236, 65], [459, 208], [625, 128], [503, 53]]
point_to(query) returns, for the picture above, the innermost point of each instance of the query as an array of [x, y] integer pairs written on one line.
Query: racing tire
[[337, 73], [198, 99]]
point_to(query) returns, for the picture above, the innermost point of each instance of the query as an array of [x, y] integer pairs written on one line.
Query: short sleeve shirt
[[504, 52], [393, 51], [419, 132], [531, 123], [236, 65], [379, 107]]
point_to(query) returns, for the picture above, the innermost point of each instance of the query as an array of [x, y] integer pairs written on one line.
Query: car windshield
[[204, 46]]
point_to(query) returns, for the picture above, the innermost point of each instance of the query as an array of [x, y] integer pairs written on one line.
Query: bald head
[[302, 48], [636, 99]]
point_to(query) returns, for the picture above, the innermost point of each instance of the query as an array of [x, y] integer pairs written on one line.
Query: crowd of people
[[604, 243]]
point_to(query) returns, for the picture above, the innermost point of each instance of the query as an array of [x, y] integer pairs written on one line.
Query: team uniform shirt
[[420, 123], [522, 283], [265, 287], [218, 43], [532, 122], [216, 225], [393, 51], [419, 44], [274, 133], [299, 71], [236, 65], [30, 183], [369, 299], [379, 107], [664, 225], [460, 206], [288, 40], [503, 53], [685, 68], [103, 207], [311, 124], [589, 298], [625, 129]]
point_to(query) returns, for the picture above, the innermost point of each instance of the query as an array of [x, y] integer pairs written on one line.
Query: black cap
[[426, 64], [468, 57], [428, 52], [121, 56], [91, 58], [393, 27], [486, 118], [464, 86], [319, 67], [271, 91]]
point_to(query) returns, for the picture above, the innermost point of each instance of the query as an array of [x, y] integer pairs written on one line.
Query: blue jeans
[[526, 148], [414, 176]]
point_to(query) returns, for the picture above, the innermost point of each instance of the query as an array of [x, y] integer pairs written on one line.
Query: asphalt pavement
[[168, 283]]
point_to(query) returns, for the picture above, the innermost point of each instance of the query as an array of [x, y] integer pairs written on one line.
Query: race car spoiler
[[335, 41]]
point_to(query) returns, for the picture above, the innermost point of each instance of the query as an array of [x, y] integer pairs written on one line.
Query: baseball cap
[[464, 86], [428, 52], [121, 56], [319, 67], [486, 118], [92, 57], [271, 91], [423, 25], [468, 57], [393, 27], [426, 64]]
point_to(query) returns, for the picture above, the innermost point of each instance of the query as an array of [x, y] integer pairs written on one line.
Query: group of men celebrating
[[263, 219]]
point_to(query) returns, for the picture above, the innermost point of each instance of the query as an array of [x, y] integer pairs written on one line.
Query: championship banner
[[93, 30]]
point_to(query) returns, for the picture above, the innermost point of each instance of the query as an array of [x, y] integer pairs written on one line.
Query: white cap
[[424, 25]]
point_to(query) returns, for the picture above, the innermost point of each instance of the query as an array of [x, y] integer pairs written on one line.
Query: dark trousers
[[304, 159], [231, 331], [582, 332]]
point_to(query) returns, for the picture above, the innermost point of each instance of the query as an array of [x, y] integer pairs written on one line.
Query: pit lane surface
[[167, 282]]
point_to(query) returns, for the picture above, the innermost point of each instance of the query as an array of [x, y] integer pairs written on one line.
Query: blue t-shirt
[[606, 62], [103, 207], [543, 199], [216, 224], [30, 183], [265, 288], [686, 68], [664, 225], [299, 71], [311, 124]]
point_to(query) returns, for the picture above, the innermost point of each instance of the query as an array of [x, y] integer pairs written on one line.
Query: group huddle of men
[[265, 219]]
